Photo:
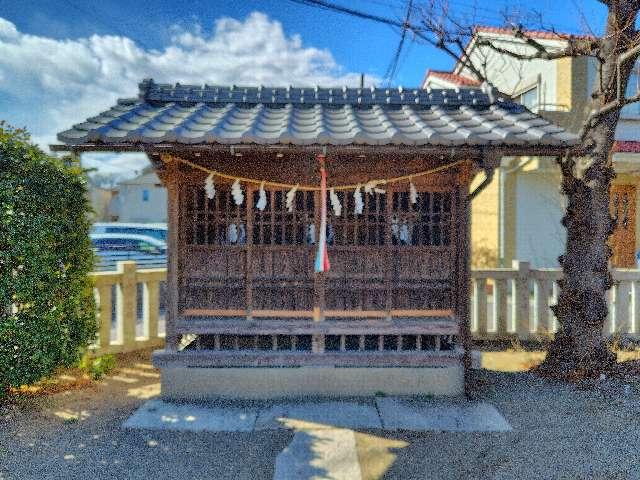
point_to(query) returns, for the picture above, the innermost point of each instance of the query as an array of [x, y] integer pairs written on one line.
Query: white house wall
[[540, 237], [514, 76], [129, 205]]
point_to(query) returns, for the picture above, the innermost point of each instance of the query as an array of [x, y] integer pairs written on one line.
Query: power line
[[349, 11], [393, 66]]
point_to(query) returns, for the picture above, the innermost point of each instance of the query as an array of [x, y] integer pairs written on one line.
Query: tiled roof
[[626, 146], [453, 78], [537, 34], [185, 114]]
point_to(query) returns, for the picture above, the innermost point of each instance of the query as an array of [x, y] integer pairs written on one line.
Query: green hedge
[[47, 308]]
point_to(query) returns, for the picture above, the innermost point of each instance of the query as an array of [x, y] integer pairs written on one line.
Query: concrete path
[[324, 445], [387, 413], [156, 414], [327, 453]]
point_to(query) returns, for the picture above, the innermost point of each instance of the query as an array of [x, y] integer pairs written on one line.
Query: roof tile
[[302, 116]]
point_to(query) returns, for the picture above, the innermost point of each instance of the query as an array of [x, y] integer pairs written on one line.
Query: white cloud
[[50, 84]]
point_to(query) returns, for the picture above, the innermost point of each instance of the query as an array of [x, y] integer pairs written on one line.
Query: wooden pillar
[[248, 284], [170, 176], [463, 270]]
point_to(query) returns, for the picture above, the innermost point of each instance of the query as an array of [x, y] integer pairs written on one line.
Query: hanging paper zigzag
[[236, 192], [262, 198], [335, 202], [291, 195], [357, 198], [413, 193], [209, 187]]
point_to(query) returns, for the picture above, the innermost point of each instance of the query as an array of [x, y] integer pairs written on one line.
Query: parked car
[[155, 230], [111, 248]]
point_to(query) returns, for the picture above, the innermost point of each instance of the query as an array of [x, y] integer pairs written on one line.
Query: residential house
[[101, 199], [142, 199], [518, 216]]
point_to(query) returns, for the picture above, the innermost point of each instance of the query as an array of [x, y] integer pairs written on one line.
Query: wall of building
[[513, 76], [537, 230], [100, 199], [484, 225], [132, 204]]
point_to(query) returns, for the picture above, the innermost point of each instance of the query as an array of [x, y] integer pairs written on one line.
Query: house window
[[529, 99], [145, 195]]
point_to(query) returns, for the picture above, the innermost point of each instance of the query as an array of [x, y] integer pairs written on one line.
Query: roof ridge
[[151, 91], [538, 34]]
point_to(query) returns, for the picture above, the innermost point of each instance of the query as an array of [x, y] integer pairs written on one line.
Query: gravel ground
[[560, 431]]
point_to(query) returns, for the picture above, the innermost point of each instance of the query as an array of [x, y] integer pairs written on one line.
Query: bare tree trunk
[[579, 347]]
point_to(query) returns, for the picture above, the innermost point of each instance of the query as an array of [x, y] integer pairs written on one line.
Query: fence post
[[635, 306], [610, 322], [104, 316], [500, 292], [480, 306], [520, 299], [622, 292], [152, 308], [129, 289], [542, 292]]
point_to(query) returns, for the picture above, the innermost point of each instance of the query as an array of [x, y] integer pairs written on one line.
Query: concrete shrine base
[[203, 383]]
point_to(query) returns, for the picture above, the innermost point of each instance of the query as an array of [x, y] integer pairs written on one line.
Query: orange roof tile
[[451, 77]]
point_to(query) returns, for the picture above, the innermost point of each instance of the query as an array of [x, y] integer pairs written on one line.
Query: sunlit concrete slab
[[160, 415], [440, 416], [481, 417], [327, 453], [312, 415]]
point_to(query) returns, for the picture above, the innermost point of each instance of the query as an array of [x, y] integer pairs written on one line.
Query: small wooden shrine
[[318, 237]]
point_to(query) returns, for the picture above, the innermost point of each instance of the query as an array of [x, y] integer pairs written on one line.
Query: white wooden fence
[[515, 302], [130, 308], [506, 303]]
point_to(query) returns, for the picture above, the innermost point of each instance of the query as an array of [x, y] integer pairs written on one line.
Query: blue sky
[[61, 61]]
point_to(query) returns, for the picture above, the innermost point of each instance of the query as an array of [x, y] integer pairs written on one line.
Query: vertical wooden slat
[[480, 306], [500, 306], [104, 317], [152, 308], [389, 254]]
